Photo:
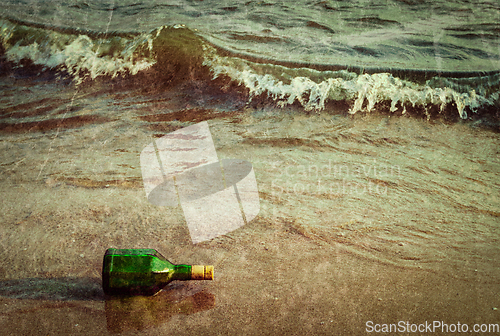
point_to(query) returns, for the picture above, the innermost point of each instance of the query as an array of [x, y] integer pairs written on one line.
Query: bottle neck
[[182, 272], [176, 272]]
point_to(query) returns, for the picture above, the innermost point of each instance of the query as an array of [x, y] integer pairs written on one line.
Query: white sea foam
[[78, 54], [363, 90], [87, 56]]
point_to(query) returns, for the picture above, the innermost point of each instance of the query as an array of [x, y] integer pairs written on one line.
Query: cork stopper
[[200, 272]]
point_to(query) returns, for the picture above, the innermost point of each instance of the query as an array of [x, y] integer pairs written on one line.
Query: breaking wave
[[175, 54]]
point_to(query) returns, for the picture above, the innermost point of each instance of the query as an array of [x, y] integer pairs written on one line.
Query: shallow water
[[381, 170]]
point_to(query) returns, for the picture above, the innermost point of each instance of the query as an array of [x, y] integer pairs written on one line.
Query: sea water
[[372, 126], [404, 53]]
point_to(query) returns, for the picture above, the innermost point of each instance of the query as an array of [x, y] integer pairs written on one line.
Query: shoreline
[[424, 250], [291, 287]]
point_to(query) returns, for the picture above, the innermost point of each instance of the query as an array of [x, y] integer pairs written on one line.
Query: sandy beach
[[372, 217], [372, 129]]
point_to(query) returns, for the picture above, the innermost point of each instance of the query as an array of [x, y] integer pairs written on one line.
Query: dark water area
[[349, 52], [372, 128]]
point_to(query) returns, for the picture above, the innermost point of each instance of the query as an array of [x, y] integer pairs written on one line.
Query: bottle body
[[144, 272]]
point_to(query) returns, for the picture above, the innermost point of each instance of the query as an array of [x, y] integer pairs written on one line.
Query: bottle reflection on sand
[[136, 313]]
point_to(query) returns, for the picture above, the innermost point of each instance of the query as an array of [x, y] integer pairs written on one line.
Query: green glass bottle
[[145, 272]]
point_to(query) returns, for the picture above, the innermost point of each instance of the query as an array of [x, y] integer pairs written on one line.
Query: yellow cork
[[200, 272]]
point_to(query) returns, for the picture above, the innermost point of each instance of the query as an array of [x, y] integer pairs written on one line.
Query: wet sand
[[266, 282], [406, 228]]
